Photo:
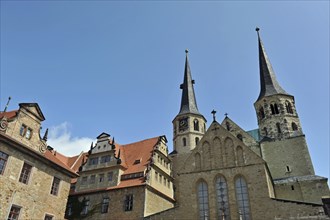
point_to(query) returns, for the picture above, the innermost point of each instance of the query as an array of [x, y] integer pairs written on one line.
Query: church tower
[[189, 125], [283, 143]]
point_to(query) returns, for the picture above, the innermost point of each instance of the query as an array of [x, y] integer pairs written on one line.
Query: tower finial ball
[[257, 29], [186, 50]]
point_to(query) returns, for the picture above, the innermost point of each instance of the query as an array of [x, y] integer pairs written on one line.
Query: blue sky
[[116, 67]]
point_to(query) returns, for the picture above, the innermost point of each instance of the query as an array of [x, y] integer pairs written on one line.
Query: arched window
[[184, 142], [239, 136], [276, 109], [288, 107], [203, 201], [278, 126], [294, 126], [222, 198], [261, 113], [196, 125], [196, 140], [227, 125], [242, 198], [272, 109]]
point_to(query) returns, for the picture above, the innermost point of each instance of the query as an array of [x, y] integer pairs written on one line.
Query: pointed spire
[[45, 135], [188, 100], [268, 82]]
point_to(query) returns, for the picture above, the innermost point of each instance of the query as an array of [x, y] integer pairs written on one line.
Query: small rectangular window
[[93, 161], [14, 212], [28, 133], [110, 175], [25, 173], [48, 217], [92, 179], [129, 202], [22, 130], [3, 162], [84, 180], [55, 186], [105, 205], [85, 207], [101, 178], [105, 159]]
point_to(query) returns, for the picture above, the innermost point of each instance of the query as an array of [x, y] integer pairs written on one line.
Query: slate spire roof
[[268, 82], [188, 100]]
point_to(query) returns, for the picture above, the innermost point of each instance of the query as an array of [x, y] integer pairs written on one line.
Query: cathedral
[[220, 171]]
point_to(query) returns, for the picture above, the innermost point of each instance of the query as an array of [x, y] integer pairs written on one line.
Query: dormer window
[[137, 161]]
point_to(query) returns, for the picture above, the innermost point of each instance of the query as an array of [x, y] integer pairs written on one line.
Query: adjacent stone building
[[123, 181], [34, 181]]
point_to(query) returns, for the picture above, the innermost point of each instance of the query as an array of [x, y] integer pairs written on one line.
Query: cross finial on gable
[[213, 113]]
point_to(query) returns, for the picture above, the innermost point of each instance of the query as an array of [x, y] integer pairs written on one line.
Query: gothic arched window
[[222, 198], [294, 126], [288, 107], [242, 198], [203, 200], [276, 109], [227, 125], [196, 125], [278, 126], [272, 109], [184, 142], [196, 140]]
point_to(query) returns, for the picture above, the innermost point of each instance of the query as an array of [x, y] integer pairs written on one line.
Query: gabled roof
[[38, 112]]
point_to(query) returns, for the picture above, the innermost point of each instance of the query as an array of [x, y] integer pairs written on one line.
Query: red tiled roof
[[129, 153], [141, 150], [58, 159], [9, 115]]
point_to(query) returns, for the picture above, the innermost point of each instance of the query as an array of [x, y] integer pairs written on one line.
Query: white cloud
[[61, 140]]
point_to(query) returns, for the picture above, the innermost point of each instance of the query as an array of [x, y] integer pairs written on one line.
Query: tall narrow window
[[196, 140], [239, 136], [227, 125], [85, 207], [196, 125], [92, 179], [203, 201], [22, 130], [222, 198], [14, 212], [242, 198], [272, 109], [184, 142], [28, 133], [110, 176], [288, 107], [101, 177], [55, 186], [25, 173], [3, 162], [129, 202], [105, 205], [276, 109], [294, 126], [278, 126]]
